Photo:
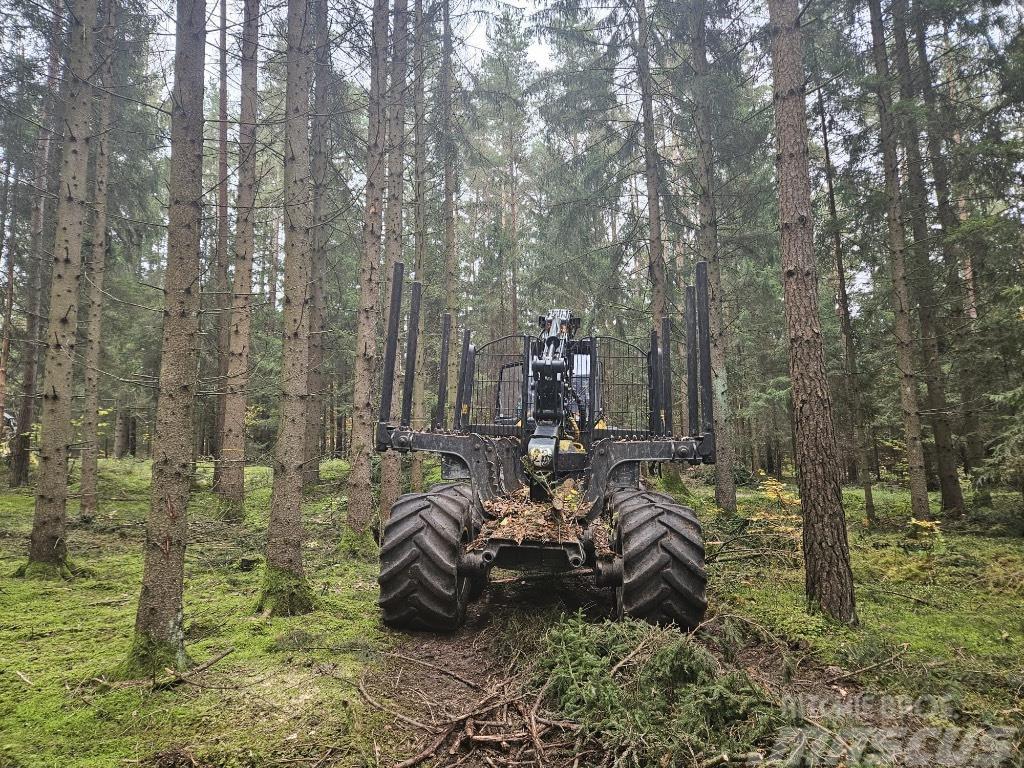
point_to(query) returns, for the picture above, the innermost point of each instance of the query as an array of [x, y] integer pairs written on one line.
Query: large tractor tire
[[420, 584], [663, 577], [477, 584]]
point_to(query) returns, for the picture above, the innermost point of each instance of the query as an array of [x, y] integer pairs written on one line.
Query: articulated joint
[[394, 438]]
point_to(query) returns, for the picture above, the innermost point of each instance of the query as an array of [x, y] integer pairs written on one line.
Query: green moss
[[358, 545], [45, 571], [148, 658], [948, 613], [69, 638], [284, 594]]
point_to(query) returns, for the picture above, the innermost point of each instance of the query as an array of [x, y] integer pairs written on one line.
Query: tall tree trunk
[[5, 343], [272, 272], [656, 263], [8, 301], [853, 386], [159, 630], [419, 223], [37, 268], [5, 204], [898, 270], [232, 479], [513, 233], [95, 274], [360, 492], [923, 277], [48, 550], [955, 256], [391, 462], [708, 250], [829, 580], [318, 270], [682, 416], [285, 590], [222, 287], [449, 157]]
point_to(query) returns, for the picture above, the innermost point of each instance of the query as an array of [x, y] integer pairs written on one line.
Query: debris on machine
[[516, 518]]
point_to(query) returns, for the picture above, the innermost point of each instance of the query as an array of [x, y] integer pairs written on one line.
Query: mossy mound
[[148, 658], [284, 594], [62, 570]]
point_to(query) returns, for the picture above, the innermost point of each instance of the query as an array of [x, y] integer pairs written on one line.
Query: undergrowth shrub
[[652, 693]]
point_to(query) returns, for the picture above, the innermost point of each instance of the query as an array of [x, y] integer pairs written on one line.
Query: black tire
[[420, 585], [663, 577], [477, 584]]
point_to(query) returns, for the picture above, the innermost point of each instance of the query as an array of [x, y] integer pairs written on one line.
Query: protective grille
[[623, 395], [495, 403]]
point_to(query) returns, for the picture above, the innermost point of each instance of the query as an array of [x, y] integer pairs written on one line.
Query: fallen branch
[[629, 656], [532, 721], [394, 712], [725, 759], [442, 670], [183, 677], [869, 667], [428, 751]]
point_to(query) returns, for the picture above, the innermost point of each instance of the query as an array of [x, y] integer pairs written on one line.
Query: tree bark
[[923, 277], [829, 580], [419, 224], [360, 492], [48, 549], [95, 275], [449, 156], [656, 263], [159, 630], [37, 269], [5, 204], [902, 306], [285, 591], [319, 169], [851, 372], [5, 343], [708, 250], [8, 301], [236, 386], [272, 277], [391, 462], [222, 287]]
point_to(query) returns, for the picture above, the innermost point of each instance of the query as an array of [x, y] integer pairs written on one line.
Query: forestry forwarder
[[542, 468]]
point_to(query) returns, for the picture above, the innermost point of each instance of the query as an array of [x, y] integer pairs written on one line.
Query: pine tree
[[708, 250], [391, 463], [48, 549], [38, 270], [232, 444], [360, 493], [319, 163], [897, 247], [931, 324], [221, 284], [159, 622], [285, 590], [96, 273], [829, 580]]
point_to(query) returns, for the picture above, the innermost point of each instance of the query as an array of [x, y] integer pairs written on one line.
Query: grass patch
[[940, 616], [64, 641]]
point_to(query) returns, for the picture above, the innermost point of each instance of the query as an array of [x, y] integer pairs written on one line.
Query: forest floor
[[933, 675]]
